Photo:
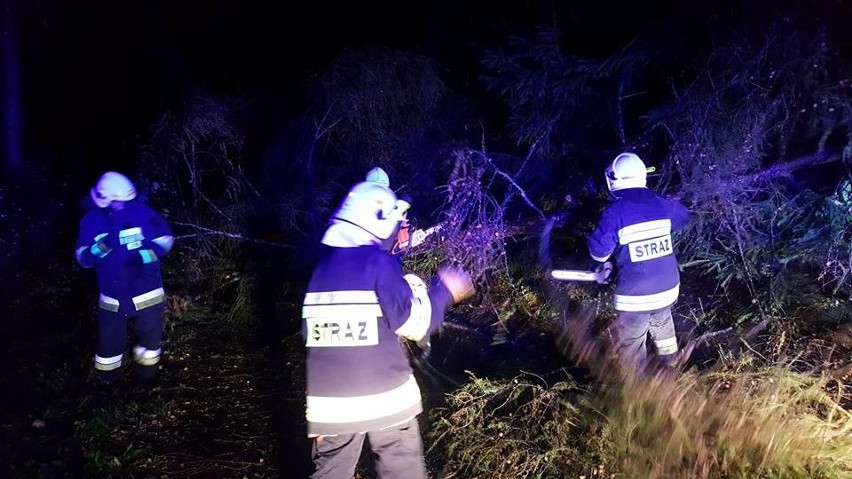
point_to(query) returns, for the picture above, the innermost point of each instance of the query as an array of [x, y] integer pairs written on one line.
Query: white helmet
[[378, 175], [111, 187], [372, 207], [626, 171]]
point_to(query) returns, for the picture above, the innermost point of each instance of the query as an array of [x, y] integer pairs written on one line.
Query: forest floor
[[225, 405]]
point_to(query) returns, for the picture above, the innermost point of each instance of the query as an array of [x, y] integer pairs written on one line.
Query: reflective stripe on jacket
[[636, 232], [129, 274], [358, 375]]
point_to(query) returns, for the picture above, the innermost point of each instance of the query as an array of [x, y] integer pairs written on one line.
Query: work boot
[[146, 375], [106, 380]]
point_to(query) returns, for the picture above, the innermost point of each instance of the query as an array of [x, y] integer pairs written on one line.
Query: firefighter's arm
[[428, 307], [92, 248], [413, 310], [450, 286], [679, 215], [430, 304], [456, 281], [603, 241], [396, 299], [158, 240]]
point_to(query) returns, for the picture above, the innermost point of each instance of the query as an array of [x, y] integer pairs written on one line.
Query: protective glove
[[603, 272], [457, 282], [142, 256], [105, 245]]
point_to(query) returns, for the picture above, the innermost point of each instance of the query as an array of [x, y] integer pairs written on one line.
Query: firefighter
[[358, 305], [124, 241], [635, 231]]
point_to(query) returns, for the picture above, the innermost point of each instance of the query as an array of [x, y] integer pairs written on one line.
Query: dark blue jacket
[[358, 375], [637, 228], [125, 247]]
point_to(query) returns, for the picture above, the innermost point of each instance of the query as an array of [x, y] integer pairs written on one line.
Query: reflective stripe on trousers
[[146, 357], [112, 336], [108, 364]]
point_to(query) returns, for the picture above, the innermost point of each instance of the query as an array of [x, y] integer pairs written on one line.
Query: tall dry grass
[[767, 422], [745, 418]]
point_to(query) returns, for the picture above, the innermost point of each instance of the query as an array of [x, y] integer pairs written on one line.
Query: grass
[[740, 421], [107, 438], [519, 427], [231, 408], [769, 422], [759, 412]]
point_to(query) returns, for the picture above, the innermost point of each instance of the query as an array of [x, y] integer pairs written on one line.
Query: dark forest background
[[246, 122]]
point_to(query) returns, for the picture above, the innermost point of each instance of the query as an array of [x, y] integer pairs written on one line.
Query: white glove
[[603, 272]]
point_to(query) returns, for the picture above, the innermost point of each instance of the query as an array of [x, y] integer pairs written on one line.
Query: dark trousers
[[112, 337], [398, 451], [631, 331]]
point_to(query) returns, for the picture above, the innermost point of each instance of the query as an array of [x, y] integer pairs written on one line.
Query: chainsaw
[[599, 275], [405, 241], [419, 236]]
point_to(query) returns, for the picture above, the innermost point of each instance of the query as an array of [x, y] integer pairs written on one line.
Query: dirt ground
[[226, 405]]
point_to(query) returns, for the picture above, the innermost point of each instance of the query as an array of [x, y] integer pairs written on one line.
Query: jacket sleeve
[[158, 239], [441, 299], [395, 296], [425, 313], [678, 213], [604, 239], [410, 315], [91, 247]]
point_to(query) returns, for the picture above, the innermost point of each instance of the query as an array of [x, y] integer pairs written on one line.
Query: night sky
[[95, 74]]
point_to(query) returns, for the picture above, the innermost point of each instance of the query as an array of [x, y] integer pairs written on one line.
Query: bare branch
[[205, 232], [515, 185]]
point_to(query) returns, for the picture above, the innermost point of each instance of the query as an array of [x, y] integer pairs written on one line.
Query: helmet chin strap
[[341, 220], [346, 234]]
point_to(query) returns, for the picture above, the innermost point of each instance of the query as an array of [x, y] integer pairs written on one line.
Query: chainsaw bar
[[574, 275]]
